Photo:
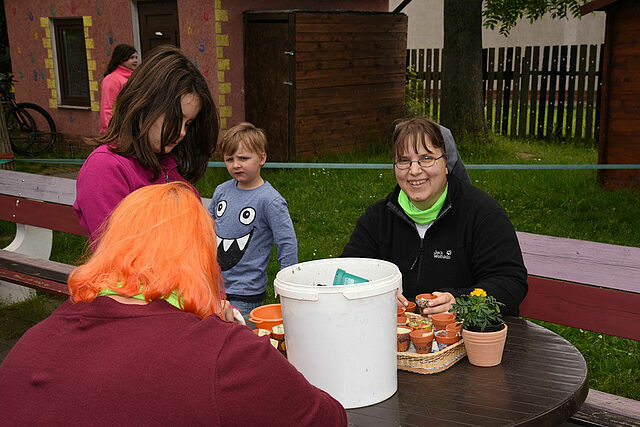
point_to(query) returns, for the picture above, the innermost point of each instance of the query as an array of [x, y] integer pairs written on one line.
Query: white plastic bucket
[[342, 338]]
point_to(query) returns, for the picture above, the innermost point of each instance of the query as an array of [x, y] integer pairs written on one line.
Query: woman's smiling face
[[423, 185]]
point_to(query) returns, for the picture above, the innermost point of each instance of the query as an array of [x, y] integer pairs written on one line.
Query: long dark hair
[[121, 53], [155, 88]]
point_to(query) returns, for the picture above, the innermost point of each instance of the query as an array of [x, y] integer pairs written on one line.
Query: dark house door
[[158, 22], [267, 81]]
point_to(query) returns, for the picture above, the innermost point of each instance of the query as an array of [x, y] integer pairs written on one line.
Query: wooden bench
[[586, 285], [39, 205]]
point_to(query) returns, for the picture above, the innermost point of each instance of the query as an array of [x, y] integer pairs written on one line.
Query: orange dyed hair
[[159, 239]]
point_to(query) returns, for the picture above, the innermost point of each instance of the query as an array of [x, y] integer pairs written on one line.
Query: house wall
[[210, 34], [426, 30]]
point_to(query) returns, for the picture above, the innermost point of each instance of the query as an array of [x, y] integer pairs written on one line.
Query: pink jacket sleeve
[[102, 183]]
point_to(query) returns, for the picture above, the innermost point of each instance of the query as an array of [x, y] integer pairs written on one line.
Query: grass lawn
[[324, 205]]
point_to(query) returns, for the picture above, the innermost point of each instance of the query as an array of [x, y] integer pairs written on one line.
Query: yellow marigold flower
[[478, 292]]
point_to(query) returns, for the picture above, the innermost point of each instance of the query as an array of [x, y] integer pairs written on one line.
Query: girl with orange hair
[[143, 339]]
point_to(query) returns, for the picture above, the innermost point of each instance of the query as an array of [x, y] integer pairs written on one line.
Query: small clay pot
[[445, 338], [404, 338], [400, 311], [402, 321], [441, 320], [422, 340], [423, 299], [276, 334], [454, 326], [411, 307]]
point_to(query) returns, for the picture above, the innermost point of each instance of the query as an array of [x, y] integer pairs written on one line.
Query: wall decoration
[[48, 63], [98, 7], [35, 75], [91, 63], [111, 38], [30, 16], [200, 45], [222, 41], [52, 9]]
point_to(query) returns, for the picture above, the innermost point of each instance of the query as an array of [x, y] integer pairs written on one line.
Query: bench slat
[[37, 283], [39, 187], [40, 214], [591, 263], [580, 306], [44, 268]]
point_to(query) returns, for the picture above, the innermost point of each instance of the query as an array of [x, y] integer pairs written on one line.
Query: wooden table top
[[541, 381]]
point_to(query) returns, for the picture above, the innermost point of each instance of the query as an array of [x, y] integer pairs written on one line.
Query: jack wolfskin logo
[[442, 254]]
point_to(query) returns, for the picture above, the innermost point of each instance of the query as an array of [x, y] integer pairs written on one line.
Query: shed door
[[158, 21], [266, 72]]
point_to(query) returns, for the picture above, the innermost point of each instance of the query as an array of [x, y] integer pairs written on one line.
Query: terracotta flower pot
[[411, 307], [454, 326], [400, 311], [445, 338], [403, 338], [485, 348], [441, 320], [402, 321], [423, 299], [422, 340]]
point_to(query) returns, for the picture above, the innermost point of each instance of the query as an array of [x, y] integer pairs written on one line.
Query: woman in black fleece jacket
[[446, 236]]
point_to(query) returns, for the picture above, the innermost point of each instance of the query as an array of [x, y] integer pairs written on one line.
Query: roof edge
[[595, 5]]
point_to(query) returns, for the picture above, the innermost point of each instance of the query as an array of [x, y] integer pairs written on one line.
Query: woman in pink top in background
[[124, 60], [164, 129]]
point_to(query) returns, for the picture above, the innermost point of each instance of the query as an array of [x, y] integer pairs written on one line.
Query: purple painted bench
[[587, 285], [592, 286]]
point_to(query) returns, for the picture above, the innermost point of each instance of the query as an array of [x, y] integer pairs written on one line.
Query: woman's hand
[[402, 301], [441, 304], [227, 311]]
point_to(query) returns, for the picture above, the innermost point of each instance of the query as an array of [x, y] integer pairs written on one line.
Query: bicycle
[[32, 131]]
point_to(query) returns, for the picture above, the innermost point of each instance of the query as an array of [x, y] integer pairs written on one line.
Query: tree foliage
[[505, 14]]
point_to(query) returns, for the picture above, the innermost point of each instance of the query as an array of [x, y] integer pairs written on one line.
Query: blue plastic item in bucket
[[344, 278]]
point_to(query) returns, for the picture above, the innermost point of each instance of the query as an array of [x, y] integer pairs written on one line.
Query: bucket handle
[[256, 321]]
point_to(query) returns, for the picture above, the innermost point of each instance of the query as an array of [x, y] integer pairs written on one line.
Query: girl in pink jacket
[[124, 60]]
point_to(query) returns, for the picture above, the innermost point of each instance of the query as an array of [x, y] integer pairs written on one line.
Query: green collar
[[422, 217], [172, 299]]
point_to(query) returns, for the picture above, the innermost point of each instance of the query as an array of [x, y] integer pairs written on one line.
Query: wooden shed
[[321, 82], [619, 140]]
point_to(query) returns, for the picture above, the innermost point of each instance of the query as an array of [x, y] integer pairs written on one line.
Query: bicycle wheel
[[31, 129]]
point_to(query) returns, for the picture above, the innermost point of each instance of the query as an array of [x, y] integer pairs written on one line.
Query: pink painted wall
[[111, 25], [210, 34]]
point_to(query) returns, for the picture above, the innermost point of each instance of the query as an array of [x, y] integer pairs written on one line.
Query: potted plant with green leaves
[[483, 330]]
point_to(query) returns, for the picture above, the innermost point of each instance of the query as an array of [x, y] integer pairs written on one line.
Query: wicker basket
[[431, 363]]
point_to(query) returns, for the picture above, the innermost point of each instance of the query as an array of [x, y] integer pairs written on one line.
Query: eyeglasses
[[423, 162]]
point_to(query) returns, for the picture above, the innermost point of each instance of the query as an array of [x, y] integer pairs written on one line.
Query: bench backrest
[[38, 200], [41, 201], [605, 293]]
